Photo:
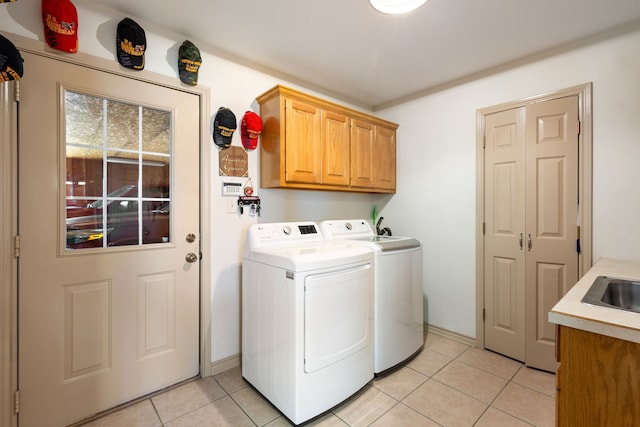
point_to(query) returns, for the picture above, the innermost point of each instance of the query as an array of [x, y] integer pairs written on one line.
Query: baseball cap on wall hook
[[224, 125]]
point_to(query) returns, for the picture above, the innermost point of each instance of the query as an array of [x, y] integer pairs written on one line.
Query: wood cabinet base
[[598, 381]]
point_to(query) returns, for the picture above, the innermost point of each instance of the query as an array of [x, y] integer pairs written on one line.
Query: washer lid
[[391, 243], [311, 256]]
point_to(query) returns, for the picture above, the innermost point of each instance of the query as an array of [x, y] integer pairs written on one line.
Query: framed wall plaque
[[233, 161]]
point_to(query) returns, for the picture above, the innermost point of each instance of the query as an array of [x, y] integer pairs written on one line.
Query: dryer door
[[338, 315]]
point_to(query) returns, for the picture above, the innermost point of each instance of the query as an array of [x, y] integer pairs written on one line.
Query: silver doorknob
[[191, 257]]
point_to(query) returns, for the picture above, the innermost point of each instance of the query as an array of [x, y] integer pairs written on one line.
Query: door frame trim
[[8, 209], [8, 260], [585, 184]]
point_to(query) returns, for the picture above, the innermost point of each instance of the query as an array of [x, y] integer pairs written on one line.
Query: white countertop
[[569, 311]]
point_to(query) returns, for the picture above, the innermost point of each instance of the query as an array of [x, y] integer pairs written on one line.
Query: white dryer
[[307, 318], [398, 290]]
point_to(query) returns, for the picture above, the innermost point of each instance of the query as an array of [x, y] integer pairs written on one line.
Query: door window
[[118, 173]]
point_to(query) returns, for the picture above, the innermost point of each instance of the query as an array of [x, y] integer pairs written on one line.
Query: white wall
[[233, 86], [436, 162]]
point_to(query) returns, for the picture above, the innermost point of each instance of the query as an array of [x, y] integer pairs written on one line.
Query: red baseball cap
[[60, 20], [250, 130]]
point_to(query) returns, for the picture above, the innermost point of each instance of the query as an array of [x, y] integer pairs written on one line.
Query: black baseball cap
[[131, 43], [224, 125], [10, 61]]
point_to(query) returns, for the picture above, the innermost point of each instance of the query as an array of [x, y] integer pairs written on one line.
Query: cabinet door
[[336, 130], [362, 147], [384, 159], [598, 380], [303, 155]]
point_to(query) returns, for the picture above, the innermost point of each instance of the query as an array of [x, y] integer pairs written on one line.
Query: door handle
[[529, 242], [521, 246], [191, 257]]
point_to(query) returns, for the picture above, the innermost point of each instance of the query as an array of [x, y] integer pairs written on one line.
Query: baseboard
[[451, 335], [232, 361], [225, 364]]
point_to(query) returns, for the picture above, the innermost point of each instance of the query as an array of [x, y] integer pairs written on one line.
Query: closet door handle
[[521, 246], [529, 242]]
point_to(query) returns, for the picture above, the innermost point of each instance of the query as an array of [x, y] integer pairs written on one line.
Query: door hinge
[[483, 314], [483, 227], [16, 92], [578, 249], [16, 247], [579, 127], [16, 401]]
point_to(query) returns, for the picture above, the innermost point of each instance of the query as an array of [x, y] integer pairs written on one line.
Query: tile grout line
[[238, 404], [510, 380], [456, 358], [153, 405]]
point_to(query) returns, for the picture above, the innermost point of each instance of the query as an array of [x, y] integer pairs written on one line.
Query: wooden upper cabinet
[[363, 136], [310, 143], [335, 138], [373, 156], [384, 159], [303, 152]]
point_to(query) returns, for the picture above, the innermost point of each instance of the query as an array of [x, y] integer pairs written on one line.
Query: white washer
[[307, 318], [398, 294]]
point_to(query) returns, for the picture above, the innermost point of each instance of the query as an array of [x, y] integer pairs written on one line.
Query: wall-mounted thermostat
[[231, 189]]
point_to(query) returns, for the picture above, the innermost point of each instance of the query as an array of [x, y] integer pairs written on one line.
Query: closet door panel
[[551, 219]]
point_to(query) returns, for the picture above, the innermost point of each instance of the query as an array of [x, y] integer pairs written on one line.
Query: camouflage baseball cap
[[189, 61]]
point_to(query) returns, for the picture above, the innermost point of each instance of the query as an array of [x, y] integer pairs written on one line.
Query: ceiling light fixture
[[396, 7]]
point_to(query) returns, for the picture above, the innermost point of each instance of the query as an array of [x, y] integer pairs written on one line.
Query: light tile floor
[[447, 384]]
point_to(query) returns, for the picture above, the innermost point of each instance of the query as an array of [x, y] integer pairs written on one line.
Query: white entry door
[[109, 240]]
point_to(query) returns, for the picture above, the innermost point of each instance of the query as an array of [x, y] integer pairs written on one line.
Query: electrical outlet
[[232, 205]]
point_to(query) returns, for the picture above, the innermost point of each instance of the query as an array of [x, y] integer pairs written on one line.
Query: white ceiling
[[347, 49]]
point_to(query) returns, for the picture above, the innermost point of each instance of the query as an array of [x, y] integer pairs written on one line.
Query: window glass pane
[[122, 222], [155, 176], [84, 226], [155, 222], [84, 174], [123, 125], [122, 172], [156, 130], [118, 173], [84, 120]]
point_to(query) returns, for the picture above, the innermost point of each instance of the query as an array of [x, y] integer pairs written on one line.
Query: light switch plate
[[232, 205]]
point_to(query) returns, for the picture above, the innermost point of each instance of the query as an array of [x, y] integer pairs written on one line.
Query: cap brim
[[222, 141], [248, 142]]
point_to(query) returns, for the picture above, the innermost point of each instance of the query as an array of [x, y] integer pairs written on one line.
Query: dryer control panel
[[261, 235]]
